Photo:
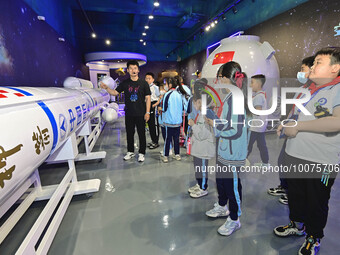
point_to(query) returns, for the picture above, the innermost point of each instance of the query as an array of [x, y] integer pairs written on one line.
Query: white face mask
[[301, 76], [162, 92], [166, 88]]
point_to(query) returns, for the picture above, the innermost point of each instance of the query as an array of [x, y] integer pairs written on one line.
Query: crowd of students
[[313, 141]]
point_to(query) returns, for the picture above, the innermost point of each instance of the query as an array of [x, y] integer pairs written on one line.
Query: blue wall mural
[[30, 52]]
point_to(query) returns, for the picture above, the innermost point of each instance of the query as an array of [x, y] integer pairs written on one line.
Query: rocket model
[[35, 122]]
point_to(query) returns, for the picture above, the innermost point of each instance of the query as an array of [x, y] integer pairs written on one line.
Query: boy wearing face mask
[[314, 141], [302, 76]]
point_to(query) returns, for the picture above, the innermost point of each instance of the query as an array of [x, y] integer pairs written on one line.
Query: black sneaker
[[149, 144], [311, 246], [284, 199], [278, 191], [289, 230]]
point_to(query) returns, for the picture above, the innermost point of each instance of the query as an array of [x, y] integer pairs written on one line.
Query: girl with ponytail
[[231, 134], [173, 105]]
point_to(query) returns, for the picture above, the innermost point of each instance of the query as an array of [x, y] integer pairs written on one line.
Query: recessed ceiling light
[[146, 27], [144, 43], [156, 3], [108, 42], [216, 21], [207, 28], [141, 40], [144, 34], [212, 24], [93, 35], [151, 17]]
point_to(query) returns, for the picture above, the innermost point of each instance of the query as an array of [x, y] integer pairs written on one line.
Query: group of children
[[230, 143]]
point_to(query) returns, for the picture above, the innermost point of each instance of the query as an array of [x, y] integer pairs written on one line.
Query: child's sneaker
[[278, 191], [141, 157], [193, 188], [311, 246], [290, 230], [229, 227], [199, 193], [177, 157], [129, 156], [284, 199], [165, 159], [217, 211]]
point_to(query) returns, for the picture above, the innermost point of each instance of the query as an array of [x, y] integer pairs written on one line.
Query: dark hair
[[132, 63], [334, 54], [260, 77], [151, 74], [309, 61], [175, 82], [229, 71]]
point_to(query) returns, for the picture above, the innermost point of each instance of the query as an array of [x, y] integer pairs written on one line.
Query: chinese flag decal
[[223, 57]]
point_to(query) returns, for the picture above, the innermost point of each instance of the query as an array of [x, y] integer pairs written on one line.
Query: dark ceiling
[[171, 31], [123, 22]]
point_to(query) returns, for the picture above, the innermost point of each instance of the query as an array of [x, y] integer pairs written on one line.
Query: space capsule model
[[253, 56]]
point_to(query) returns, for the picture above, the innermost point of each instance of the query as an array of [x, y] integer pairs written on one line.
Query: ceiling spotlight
[[234, 10], [150, 16], [141, 40], [167, 56], [156, 3], [223, 17], [146, 27], [93, 35], [108, 42], [144, 43], [207, 28], [212, 24], [216, 21], [144, 34]]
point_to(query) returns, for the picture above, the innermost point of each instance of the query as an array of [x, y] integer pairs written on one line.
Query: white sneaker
[[217, 211], [229, 227], [165, 159], [199, 193], [129, 155], [177, 157], [193, 188], [141, 157]]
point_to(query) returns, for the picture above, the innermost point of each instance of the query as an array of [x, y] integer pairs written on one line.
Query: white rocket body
[[253, 56], [35, 122]]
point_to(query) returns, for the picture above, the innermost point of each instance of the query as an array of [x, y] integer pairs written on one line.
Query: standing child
[[231, 132], [314, 141], [172, 116], [259, 122], [202, 145]]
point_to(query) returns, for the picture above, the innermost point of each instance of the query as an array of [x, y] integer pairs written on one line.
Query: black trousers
[[259, 138], [153, 125], [201, 172], [229, 188], [308, 199], [130, 123], [171, 136]]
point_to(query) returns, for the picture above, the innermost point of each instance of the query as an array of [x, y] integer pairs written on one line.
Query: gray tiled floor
[[150, 212]]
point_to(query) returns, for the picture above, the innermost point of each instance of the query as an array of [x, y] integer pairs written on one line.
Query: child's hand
[[289, 129], [210, 122]]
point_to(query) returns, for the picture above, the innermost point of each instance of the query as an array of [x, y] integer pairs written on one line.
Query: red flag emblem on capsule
[[223, 57]]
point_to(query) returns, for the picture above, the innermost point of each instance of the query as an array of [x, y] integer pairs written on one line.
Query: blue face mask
[[301, 76]]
